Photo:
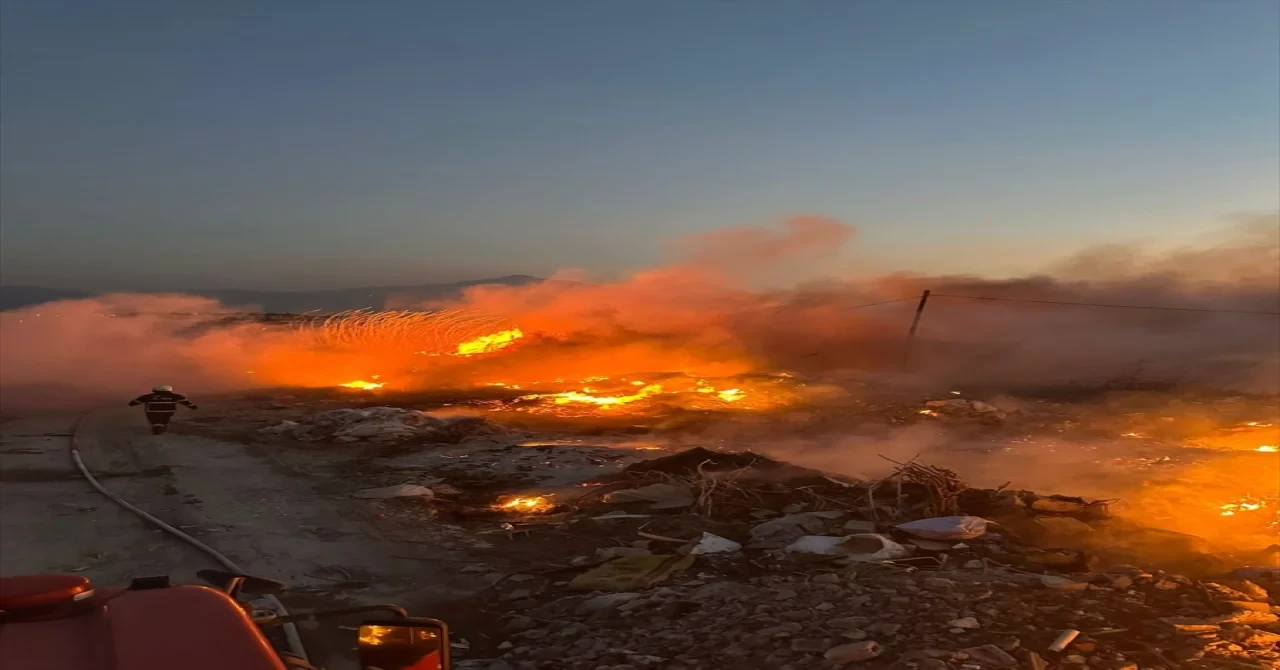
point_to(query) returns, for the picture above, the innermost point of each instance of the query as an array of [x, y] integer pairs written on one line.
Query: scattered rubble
[[806, 571], [383, 425]]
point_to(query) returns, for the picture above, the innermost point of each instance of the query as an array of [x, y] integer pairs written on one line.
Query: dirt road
[[260, 514]]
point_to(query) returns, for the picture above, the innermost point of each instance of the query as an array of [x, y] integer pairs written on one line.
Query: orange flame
[[489, 343], [363, 385], [1245, 505], [523, 504]]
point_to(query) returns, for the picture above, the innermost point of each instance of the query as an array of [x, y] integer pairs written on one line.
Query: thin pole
[[915, 323]]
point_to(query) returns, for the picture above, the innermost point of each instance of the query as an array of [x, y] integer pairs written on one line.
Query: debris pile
[[383, 425], [718, 560], [885, 615]]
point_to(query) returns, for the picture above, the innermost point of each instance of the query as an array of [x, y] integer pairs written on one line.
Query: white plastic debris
[[397, 491], [860, 547], [714, 544], [944, 528]]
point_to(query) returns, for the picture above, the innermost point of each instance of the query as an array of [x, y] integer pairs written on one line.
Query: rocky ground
[[882, 616], [1057, 570]]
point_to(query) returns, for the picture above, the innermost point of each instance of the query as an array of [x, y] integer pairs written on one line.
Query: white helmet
[[163, 388]]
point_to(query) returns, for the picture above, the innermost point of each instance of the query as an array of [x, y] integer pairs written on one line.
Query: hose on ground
[[290, 630]]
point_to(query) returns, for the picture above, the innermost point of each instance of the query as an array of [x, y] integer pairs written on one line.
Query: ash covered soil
[[620, 543]]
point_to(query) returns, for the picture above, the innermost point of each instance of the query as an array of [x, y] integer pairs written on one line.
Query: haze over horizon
[[281, 147]]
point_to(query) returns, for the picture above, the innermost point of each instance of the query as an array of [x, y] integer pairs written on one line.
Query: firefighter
[[160, 406]]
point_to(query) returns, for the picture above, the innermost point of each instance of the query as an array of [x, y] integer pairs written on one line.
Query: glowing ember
[[489, 343], [1245, 505], [363, 385], [1136, 435], [1258, 424], [927, 412], [606, 401], [730, 395], [524, 505], [1268, 449]]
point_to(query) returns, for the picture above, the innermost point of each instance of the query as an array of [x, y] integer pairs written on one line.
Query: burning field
[[737, 344], [1087, 426]]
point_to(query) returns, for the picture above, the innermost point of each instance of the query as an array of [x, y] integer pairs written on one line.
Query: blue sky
[[329, 143]]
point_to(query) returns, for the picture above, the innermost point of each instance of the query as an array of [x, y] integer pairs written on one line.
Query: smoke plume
[[707, 314]]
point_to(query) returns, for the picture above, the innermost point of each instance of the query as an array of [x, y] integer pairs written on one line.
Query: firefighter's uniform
[[160, 406]]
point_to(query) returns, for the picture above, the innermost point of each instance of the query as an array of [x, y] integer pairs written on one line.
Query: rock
[[663, 496], [1247, 605], [520, 623], [886, 629], [724, 591], [1122, 582], [859, 526], [810, 646], [777, 533], [1254, 591], [604, 603], [854, 652], [1248, 617], [975, 564], [367, 429], [966, 623], [1009, 644], [855, 634], [281, 428], [610, 553], [1063, 526], [1260, 639], [1068, 505], [1033, 661], [1062, 583], [1189, 626], [1076, 659], [1166, 585], [939, 584], [849, 622], [397, 491], [1221, 592], [991, 655], [826, 578]]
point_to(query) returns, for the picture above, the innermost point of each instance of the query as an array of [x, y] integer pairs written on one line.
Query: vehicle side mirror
[[404, 644]]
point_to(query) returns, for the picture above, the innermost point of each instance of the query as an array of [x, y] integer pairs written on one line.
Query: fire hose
[[290, 630]]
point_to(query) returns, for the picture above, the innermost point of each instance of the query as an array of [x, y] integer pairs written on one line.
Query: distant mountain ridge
[[337, 300]]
